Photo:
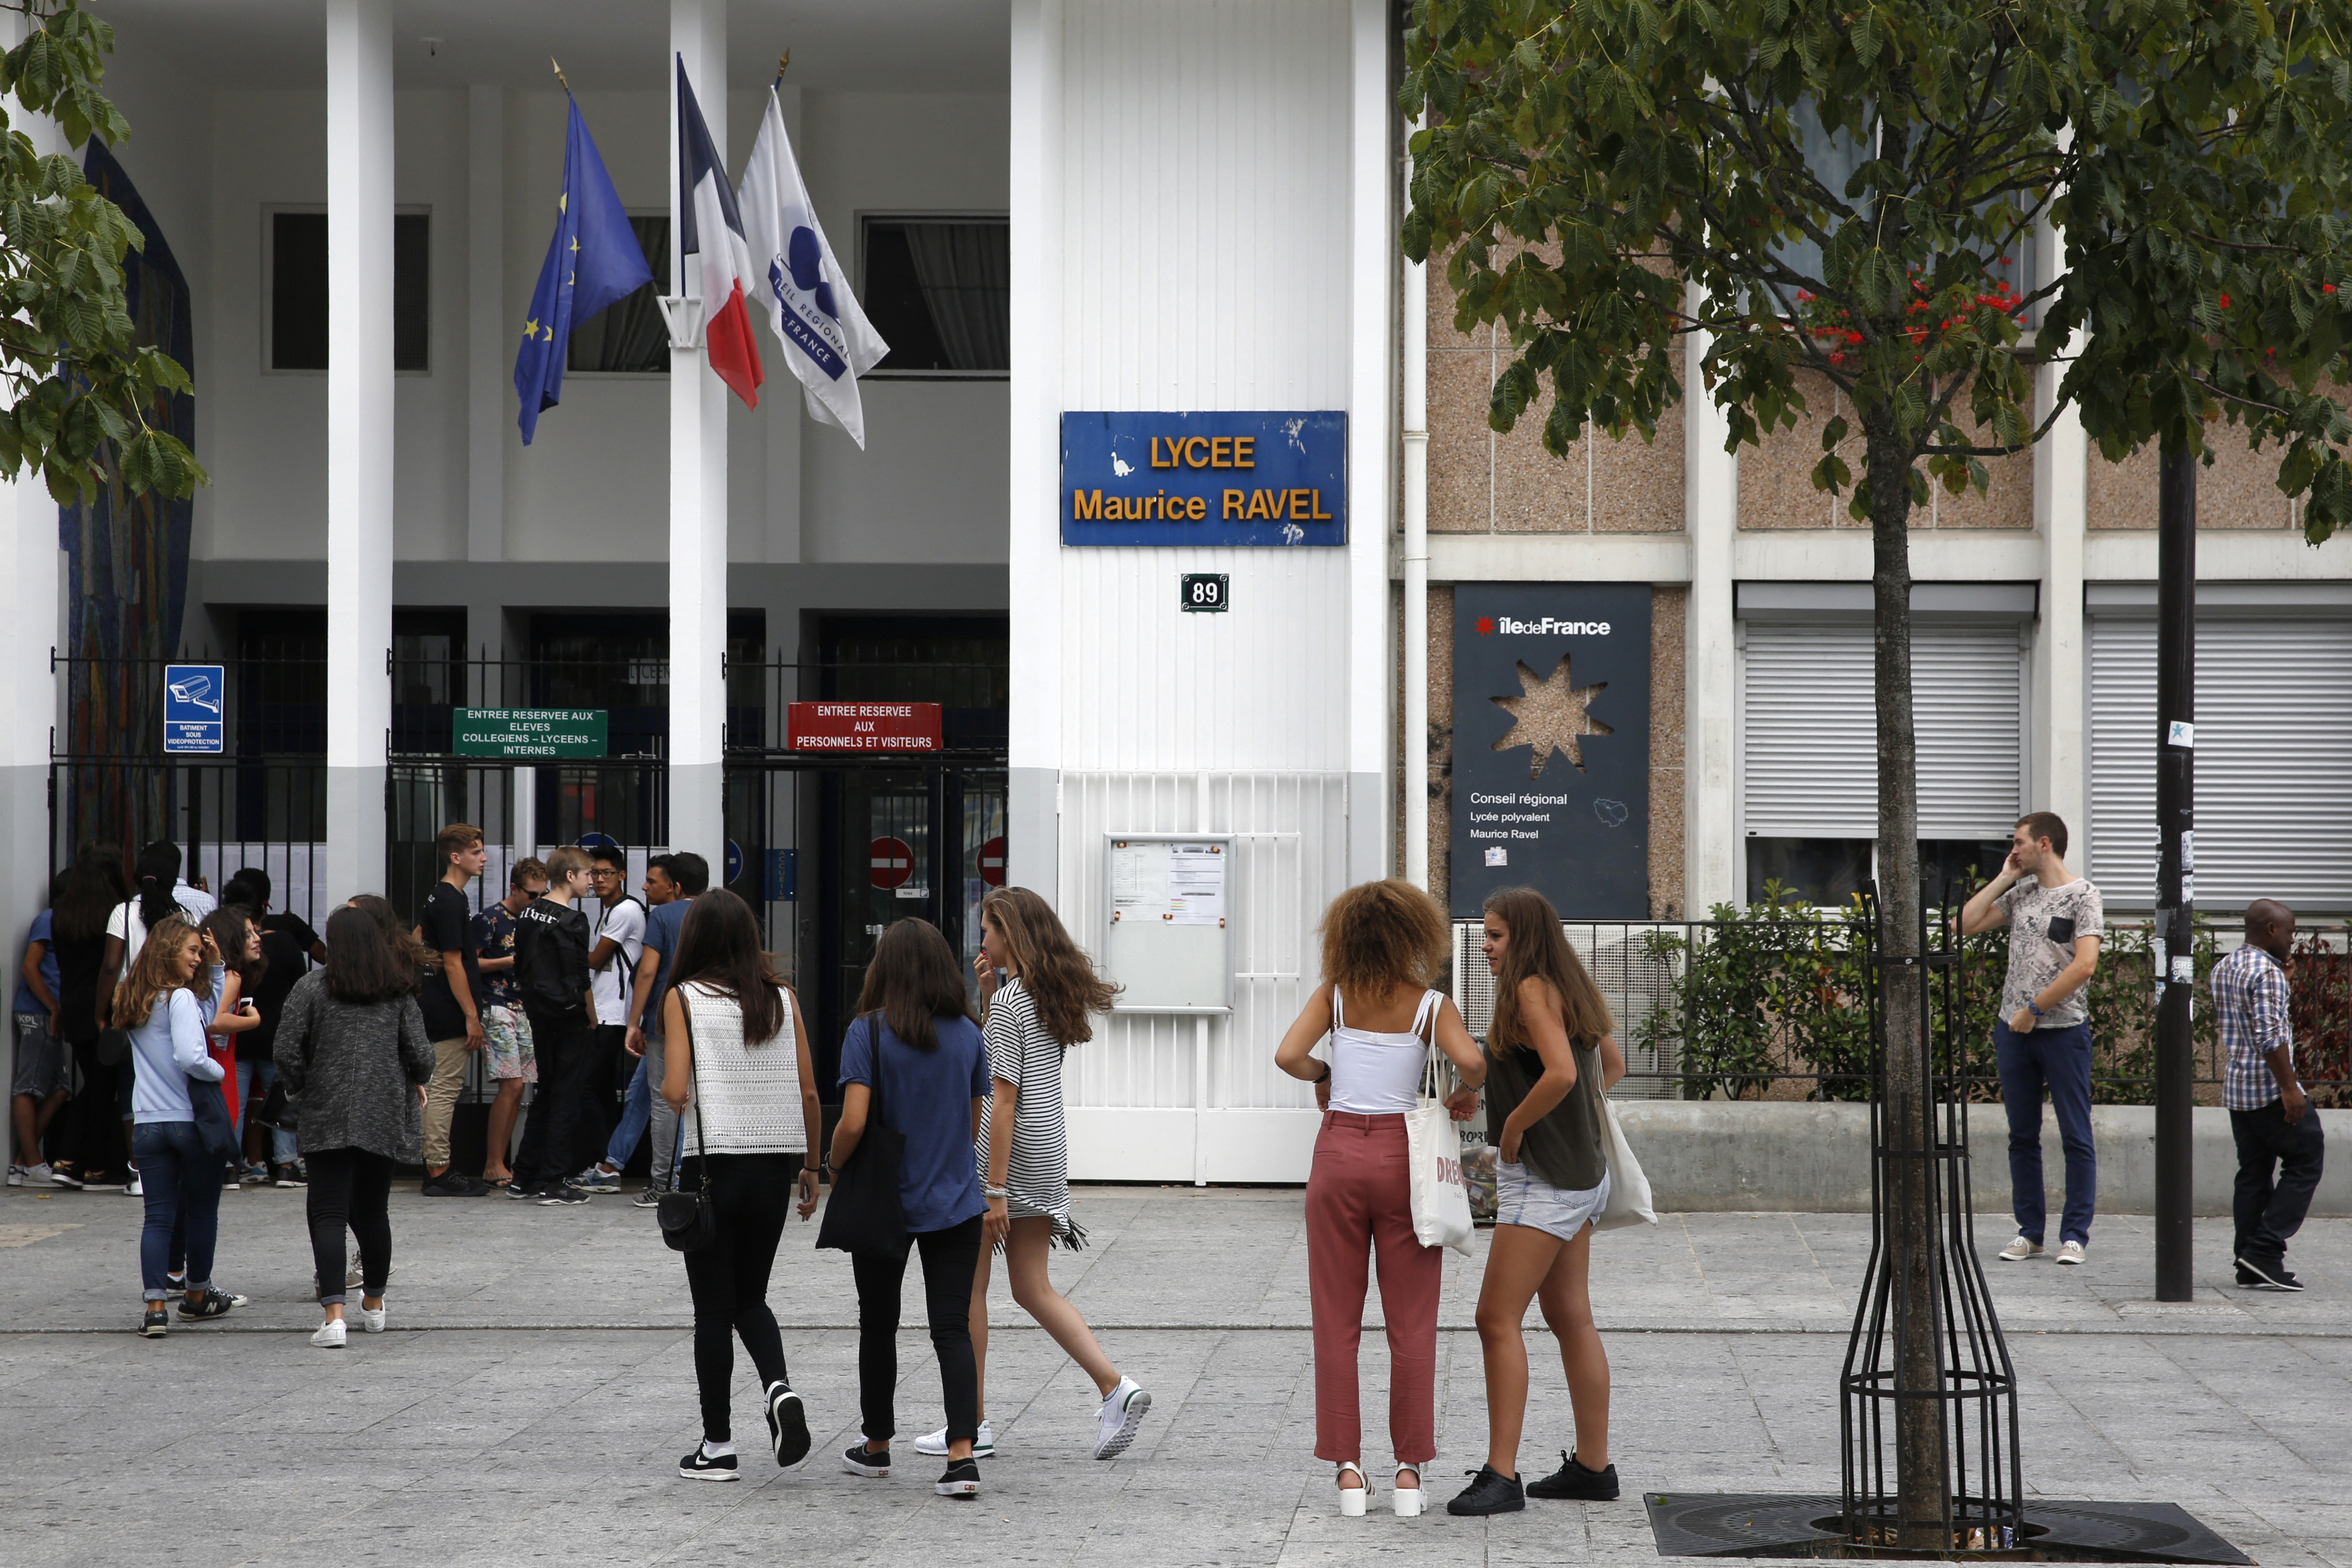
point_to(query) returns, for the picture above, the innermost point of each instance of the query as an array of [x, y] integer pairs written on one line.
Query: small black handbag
[[865, 1214], [689, 1222]]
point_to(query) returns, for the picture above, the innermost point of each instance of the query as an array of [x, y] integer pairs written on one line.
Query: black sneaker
[[858, 1462], [701, 1466], [524, 1192], [288, 1176], [1489, 1492], [788, 1431], [452, 1184], [1573, 1483], [960, 1479], [157, 1323], [555, 1194], [211, 1304], [2268, 1275]]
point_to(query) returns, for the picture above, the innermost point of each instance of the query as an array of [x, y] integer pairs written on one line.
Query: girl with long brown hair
[[1383, 945], [1550, 1055], [1045, 1005]]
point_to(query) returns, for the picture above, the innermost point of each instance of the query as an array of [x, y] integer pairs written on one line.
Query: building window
[[939, 290], [629, 333], [298, 290]]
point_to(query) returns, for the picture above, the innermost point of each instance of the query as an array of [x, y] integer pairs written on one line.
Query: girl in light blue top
[[182, 1182]]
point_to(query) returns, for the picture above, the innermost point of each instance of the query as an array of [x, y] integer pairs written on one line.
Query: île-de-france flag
[[710, 230], [828, 340], [593, 260]]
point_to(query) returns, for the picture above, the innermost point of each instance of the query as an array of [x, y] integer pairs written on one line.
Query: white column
[[491, 338], [697, 488], [2059, 753], [1033, 749], [1711, 854], [359, 440], [1416, 573], [1371, 438]]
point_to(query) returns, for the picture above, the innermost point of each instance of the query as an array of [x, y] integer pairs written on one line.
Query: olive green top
[[1564, 1146]]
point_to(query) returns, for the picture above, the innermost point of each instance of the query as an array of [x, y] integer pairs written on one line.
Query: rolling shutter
[[2273, 762], [1809, 742]]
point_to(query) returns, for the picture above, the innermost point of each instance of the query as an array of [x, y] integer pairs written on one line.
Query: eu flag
[[593, 260]]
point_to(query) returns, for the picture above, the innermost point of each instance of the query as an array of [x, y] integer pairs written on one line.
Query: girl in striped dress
[[1042, 1009]]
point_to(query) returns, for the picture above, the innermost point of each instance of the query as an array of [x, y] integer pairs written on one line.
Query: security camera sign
[[194, 701]]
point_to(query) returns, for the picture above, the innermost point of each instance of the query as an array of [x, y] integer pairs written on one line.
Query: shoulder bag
[[689, 1222], [865, 1214], [1440, 1203]]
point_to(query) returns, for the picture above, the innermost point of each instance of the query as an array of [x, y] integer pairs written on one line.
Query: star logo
[[1486, 625], [529, 331], [1553, 714]]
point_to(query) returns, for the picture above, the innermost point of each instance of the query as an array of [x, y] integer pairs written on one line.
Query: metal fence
[[1773, 1006]]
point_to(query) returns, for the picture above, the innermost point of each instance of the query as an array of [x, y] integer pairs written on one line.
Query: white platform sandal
[[1407, 1499], [1353, 1499]]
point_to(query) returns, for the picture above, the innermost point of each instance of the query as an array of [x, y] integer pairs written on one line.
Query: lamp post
[[2176, 877]]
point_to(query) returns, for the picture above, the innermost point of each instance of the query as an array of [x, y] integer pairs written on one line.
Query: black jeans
[[348, 1187], [609, 1085], [2268, 1211], [950, 1257], [751, 1195], [556, 1143], [96, 1142]]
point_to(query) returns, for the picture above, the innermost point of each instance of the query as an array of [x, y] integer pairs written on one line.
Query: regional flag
[[710, 228], [593, 260], [828, 340]]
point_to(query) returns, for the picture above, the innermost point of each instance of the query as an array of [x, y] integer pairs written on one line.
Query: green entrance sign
[[556, 733]]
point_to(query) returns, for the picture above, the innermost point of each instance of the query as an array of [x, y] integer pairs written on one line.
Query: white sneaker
[[1123, 1410], [329, 1336], [936, 1443], [134, 1187], [2019, 1250], [2070, 1252], [373, 1322]]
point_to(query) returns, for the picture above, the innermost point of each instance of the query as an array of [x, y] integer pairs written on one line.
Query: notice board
[[1552, 746], [1168, 921]]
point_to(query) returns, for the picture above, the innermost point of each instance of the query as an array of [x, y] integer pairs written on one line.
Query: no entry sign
[[893, 861], [992, 862], [863, 727]]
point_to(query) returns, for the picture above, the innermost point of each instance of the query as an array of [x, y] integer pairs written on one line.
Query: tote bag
[[1440, 1203], [1629, 1189]]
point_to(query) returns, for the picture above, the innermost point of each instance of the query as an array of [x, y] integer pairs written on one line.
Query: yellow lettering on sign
[[1197, 508], [1196, 451], [1244, 446], [1221, 451], [1155, 453], [1297, 505], [1232, 506], [1257, 506], [1321, 515], [1086, 506]]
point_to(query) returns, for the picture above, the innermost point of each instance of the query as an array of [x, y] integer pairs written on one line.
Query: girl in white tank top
[[1377, 1072]]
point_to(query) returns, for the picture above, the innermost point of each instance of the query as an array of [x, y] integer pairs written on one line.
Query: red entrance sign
[[992, 862], [893, 862], [863, 727]]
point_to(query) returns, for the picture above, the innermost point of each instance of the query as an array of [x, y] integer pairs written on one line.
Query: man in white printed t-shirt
[[612, 972]]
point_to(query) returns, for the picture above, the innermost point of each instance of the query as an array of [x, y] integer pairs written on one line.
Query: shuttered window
[[1809, 745], [2273, 776]]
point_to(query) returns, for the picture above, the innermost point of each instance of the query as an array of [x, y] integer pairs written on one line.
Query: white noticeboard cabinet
[[1168, 940]]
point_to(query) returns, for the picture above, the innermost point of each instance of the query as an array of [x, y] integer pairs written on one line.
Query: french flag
[[710, 228]]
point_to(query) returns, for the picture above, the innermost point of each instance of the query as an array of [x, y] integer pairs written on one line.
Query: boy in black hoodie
[[552, 972]]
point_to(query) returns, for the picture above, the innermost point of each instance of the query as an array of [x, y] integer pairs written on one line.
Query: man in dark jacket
[[551, 971]]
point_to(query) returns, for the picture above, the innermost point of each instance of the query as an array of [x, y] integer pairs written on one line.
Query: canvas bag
[[1441, 1202], [1629, 1189]]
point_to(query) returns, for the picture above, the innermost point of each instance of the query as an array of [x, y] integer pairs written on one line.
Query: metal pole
[[2176, 894]]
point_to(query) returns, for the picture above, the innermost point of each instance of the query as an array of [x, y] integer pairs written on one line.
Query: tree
[[1840, 190], [78, 389]]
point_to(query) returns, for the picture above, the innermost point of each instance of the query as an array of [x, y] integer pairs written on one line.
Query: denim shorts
[[41, 1061], [506, 1036], [1522, 1197]]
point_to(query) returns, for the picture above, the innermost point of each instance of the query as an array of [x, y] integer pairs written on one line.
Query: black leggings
[[348, 1187], [751, 1195], [96, 1140], [950, 1257]]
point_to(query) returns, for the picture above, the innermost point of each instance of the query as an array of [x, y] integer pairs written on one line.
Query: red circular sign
[[992, 862], [893, 862]]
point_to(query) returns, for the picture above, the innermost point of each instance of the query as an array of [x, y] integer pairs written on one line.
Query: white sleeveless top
[[1375, 1073], [750, 1096]]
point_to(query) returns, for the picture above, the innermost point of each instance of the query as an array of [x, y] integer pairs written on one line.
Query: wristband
[[2035, 1008], [988, 1192], [1325, 1077]]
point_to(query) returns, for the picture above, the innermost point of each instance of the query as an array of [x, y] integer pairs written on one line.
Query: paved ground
[[539, 1414]]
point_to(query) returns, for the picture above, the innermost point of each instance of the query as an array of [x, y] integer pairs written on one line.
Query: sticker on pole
[[194, 696], [893, 862], [991, 862], [2182, 734]]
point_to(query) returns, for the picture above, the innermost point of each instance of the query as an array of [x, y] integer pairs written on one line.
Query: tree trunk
[[1922, 1473]]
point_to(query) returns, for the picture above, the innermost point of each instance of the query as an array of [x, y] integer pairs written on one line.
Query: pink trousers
[[1359, 1199]]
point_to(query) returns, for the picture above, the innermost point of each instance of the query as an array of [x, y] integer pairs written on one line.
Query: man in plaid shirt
[[2280, 1150]]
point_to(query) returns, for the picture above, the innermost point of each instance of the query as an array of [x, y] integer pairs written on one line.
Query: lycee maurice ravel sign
[[1247, 478], [863, 727]]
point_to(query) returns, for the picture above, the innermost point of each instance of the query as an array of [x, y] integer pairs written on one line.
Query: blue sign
[[784, 876], [194, 696], [734, 863], [595, 841], [1253, 479]]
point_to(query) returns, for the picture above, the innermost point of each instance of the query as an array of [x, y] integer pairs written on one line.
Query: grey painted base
[[355, 833], [697, 816], [1033, 830]]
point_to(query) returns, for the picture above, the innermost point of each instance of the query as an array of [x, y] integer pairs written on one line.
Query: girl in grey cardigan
[[351, 1047]]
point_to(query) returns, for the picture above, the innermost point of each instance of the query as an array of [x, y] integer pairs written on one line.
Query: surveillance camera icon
[[196, 691]]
